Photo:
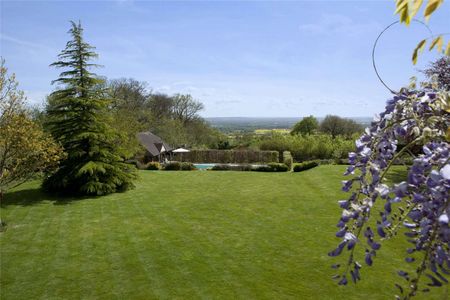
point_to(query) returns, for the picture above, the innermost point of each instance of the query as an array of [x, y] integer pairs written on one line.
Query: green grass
[[187, 235]]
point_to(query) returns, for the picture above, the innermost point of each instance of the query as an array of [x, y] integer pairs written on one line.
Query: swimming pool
[[204, 166]]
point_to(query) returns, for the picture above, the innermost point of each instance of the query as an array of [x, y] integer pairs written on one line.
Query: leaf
[[432, 5], [405, 17], [447, 50], [415, 7], [403, 11], [437, 41], [418, 49], [401, 4]]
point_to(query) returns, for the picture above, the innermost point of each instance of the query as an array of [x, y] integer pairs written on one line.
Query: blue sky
[[249, 58]]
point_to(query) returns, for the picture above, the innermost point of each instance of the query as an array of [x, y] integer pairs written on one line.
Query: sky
[[239, 58]]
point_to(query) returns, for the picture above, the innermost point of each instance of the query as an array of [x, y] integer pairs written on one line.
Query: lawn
[[187, 235]]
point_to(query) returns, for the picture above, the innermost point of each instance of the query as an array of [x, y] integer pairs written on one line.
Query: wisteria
[[415, 124]]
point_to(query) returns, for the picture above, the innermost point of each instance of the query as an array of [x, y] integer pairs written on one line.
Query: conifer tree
[[77, 120]]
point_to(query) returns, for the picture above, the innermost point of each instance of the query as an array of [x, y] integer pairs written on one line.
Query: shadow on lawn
[[32, 196]]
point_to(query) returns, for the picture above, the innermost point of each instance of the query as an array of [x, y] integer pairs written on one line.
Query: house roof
[[153, 143]]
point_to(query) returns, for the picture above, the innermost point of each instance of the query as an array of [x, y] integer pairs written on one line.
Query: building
[[157, 149]]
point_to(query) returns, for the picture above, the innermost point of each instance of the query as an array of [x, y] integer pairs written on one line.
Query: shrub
[[172, 166], [187, 166], [305, 166], [287, 159], [224, 167], [309, 147], [272, 167], [152, 166]]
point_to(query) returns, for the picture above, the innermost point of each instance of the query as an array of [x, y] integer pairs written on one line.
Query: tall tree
[[78, 120], [161, 105], [185, 108], [306, 126], [335, 126]]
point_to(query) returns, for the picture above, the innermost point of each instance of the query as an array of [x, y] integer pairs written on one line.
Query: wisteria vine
[[412, 119]]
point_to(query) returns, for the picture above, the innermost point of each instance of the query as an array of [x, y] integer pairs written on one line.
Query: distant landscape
[[250, 124]]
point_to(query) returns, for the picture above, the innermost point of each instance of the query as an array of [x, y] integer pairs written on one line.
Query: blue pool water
[[204, 166]]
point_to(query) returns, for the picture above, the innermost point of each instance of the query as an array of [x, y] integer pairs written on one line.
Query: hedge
[[272, 167], [230, 156], [178, 166], [244, 167], [287, 159], [305, 166]]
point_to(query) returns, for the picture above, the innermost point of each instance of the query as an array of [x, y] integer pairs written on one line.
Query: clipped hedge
[[305, 166], [287, 159], [230, 156], [187, 166], [178, 166], [245, 167], [272, 167]]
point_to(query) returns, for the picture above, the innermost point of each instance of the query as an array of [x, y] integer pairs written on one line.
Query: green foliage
[[175, 119], [309, 147], [152, 166], [172, 166], [178, 166], [334, 126], [230, 156], [287, 159], [305, 166], [25, 150], [307, 125], [272, 167], [187, 166], [232, 167], [78, 120]]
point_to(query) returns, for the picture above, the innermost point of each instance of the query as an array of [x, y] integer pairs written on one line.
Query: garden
[[92, 207]]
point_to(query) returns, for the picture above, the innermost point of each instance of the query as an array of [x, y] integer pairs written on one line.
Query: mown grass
[[187, 235]]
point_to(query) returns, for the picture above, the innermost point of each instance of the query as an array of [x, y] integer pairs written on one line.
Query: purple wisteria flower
[[412, 121]]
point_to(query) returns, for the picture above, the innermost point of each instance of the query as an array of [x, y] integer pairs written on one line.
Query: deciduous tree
[[307, 125], [25, 150]]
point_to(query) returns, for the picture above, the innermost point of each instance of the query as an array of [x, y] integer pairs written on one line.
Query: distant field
[[244, 124], [268, 131], [187, 235]]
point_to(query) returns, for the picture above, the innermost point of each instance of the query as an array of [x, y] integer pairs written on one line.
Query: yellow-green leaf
[[404, 16], [401, 6], [415, 7], [435, 42], [432, 5], [447, 50], [418, 49]]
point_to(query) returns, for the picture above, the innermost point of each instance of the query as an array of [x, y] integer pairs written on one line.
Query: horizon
[[239, 58]]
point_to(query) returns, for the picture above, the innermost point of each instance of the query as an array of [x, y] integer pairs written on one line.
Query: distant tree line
[[332, 125]]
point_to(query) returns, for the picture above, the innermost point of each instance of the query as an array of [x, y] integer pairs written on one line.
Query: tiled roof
[[152, 143]]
